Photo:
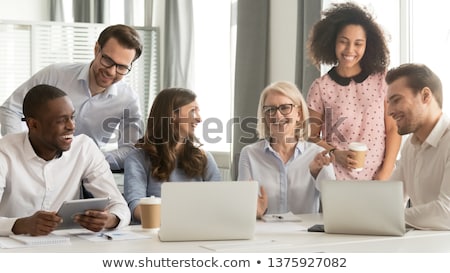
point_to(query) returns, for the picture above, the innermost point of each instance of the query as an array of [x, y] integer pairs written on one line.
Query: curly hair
[[322, 40], [162, 136]]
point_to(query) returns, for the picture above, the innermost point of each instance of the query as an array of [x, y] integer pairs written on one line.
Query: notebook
[[50, 239], [192, 211], [363, 207]]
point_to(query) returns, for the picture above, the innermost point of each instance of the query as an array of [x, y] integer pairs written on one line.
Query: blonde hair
[[291, 91]]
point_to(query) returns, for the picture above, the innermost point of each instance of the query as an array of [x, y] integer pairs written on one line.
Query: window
[[27, 48], [419, 32], [214, 71], [430, 40], [15, 53]]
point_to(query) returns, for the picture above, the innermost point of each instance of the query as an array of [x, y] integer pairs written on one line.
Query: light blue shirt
[[95, 116], [138, 181], [290, 186]]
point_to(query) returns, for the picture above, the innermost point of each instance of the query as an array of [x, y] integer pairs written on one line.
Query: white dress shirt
[[290, 186], [28, 183], [96, 116], [425, 170]]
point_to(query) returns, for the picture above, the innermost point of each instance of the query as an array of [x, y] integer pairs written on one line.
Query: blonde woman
[[287, 166]]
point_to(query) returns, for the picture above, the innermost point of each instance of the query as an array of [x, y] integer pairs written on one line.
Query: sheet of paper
[[20, 241], [112, 235], [281, 217], [279, 227], [6, 242]]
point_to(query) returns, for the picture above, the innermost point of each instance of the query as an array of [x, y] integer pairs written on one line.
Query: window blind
[[25, 48]]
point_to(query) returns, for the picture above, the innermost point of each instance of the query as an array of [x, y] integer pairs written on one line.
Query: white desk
[[269, 238]]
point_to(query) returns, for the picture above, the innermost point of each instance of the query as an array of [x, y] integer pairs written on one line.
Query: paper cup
[[360, 150], [150, 212]]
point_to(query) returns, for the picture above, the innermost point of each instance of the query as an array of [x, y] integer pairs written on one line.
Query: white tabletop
[[269, 238]]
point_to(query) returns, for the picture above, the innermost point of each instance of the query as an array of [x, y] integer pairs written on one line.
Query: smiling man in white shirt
[[102, 100], [415, 102], [43, 167]]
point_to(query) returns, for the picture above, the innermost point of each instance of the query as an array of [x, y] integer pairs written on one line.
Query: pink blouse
[[352, 113]]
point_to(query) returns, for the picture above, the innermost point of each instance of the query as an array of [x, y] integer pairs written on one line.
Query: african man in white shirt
[[43, 167]]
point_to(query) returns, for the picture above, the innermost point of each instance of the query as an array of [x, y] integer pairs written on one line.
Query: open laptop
[[192, 211], [363, 207]]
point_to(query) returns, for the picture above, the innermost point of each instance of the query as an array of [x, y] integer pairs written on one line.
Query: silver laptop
[[192, 211], [363, 207]]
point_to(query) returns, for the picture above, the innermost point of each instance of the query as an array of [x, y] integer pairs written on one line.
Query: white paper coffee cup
[[360, 150], [150, 212]]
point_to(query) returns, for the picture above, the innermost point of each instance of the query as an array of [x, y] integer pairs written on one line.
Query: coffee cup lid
[[152, 200], [357, 146]]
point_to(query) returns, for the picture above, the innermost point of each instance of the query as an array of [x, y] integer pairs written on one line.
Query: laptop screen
[[223, 210], [363, 207]]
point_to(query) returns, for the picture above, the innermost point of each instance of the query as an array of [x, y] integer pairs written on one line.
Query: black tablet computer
[[70, 208]]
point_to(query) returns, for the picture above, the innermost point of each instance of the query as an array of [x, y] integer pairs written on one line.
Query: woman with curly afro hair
[[348, 104]]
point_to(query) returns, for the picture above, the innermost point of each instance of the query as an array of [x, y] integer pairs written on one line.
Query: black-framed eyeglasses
[[285, 109], [107, 62]]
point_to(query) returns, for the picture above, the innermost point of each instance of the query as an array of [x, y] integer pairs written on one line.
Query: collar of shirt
[[29, 151], [441, 127], [346, 81], [299, 148]]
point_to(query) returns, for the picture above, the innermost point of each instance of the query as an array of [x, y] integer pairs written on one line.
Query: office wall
[[25, 10], [282, 27]]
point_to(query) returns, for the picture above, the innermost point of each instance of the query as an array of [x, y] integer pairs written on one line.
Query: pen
[[109, 237]]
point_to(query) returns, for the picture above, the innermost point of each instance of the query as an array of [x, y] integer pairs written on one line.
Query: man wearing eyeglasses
[[102, 100]]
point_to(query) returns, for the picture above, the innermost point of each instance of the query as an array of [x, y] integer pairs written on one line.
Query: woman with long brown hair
[[169, 150]]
